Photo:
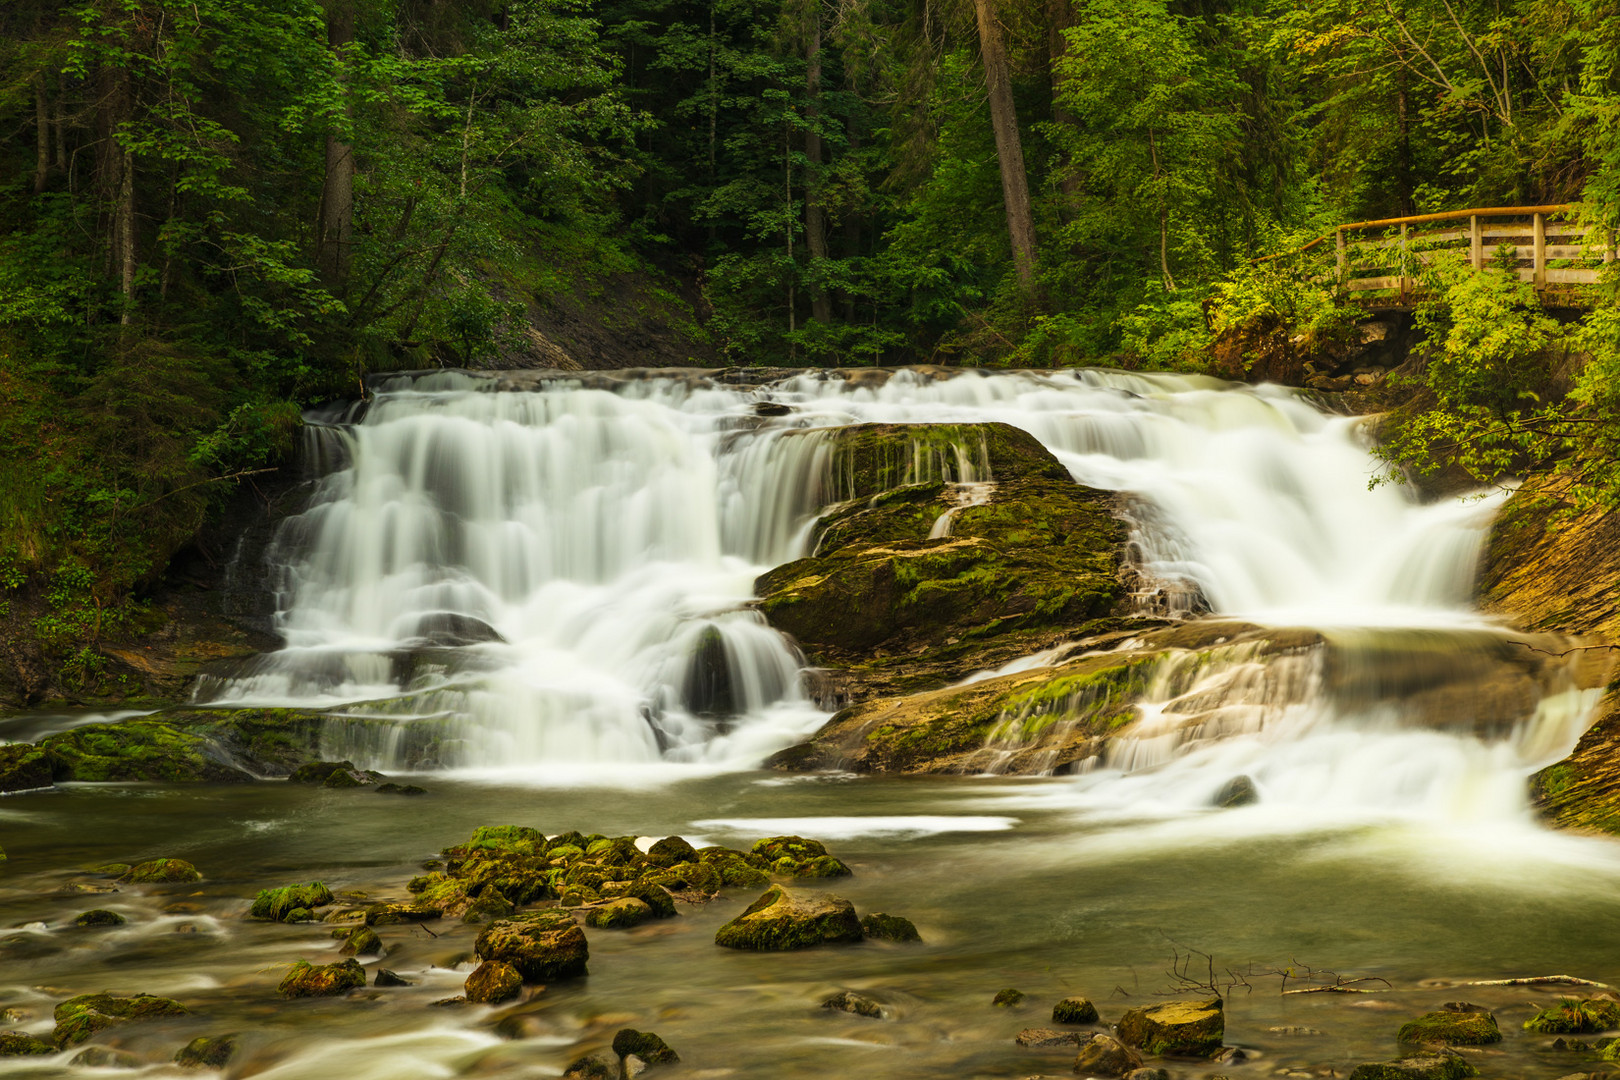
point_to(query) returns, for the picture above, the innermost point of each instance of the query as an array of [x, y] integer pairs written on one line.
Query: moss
[[671, 850], [493, 982], [543, 947], [278, 904], [619, 914], [1571, 1017], [1008, 998], [1184, 1028], [136, 750], [1447, 1066], [1074, 1010], [886, 927], [317, 772], [100, 917], [17, 1044], [361, 941], [655, 897], [165, 871], [329, 980], [80, 1017], [780, 921], [508, 839], [1451, 1029], [796, 848]]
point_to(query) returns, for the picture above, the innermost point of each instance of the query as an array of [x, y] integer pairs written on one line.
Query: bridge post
[[1344, 257], [1476, 242], [1539, 265], [1405, 281]]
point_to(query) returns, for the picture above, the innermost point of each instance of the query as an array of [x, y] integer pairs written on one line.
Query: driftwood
[[1539, 980]]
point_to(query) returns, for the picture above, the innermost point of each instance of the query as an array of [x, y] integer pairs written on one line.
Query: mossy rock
[[100, 917], [277, 905], [612, 851], [1182, 1028], [620, 914], [1571, 1017], [162, 871], [571, 839], [400, 789], [738, 869], [775, 848], [695, 877], [1442, 1066], [141, 750], [17, 1044], [1451, 1029], [206, 1052], [361, 941], [1008, 998], [493, 982], [398, 914], [1104, 1055], [316, 773], [780, 921], [644, 1045], [24, 767], [672, 850], [489, 906], [322, 980], [544, 946], [656, 897], [1074, 1010], [508, 839], [855, 1004], [80, 1017], [590, 1067]]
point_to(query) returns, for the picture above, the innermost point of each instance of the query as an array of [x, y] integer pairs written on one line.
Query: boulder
[[543, 946], [1447, 1065], [100, 917], [399, 789], [1183, 1028], [878, 924], [1008, 998], [590, 1068], [80, 1017], [619, 914], [1046, 1038], [384, 977], [656, 897], [850, 1002], [1238, 791], [1104, 1055], [328, 980], [162, 871], [206, 1052], [18, 1044], [1448, 1028], [316, 772], [396, 914], [796, 848], [278, 904], [708, 689], [493, 982], [361, 941], [1148, 1074], [780, 920], [1074, 1010], [1576, 1017], [645, 1045], [738, 870], [105, 1057], [24, 767]]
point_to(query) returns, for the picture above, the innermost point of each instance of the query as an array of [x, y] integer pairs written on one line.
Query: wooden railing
[[1543, 243]]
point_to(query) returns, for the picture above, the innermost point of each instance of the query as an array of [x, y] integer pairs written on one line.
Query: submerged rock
[[619, 914], [590, 1068], [708, 687], [328, 980], [316, 772], [164, 871], [1008, 998], [493, 982], [80, 1017], [1046, 1038], [543, 946], [878, 924], [629, 1042], [1449, 1028], [1104, 1055], [780, 920], [1074, 1010], [100, 917], [384, 977], [1184, 1028], [24, 767], [105, 1057], [361, 941], [1447, 1065], [278, 905], [206, 1052], [1238, 791], [400, 789], [850, 1002]]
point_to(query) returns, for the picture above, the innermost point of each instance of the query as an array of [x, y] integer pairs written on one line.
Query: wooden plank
[[1365, 284], [1570, 276], [1445, 237], [1476, 243], [1525, 231], [1574, 251]]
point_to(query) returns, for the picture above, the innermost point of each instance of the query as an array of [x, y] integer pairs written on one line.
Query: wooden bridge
[[1379, 260]]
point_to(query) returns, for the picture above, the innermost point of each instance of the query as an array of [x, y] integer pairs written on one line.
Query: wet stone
[[1046, 1038], [889, 927], [105, 1057], [590, 1068], [1104, 1055], [645, 1045], [162, 871], [850, 1002], [100, 917], [1451, 1028], [1447, 1065], [493, 982], [18, 1044], [384, 977], [1008, 998], [1074, 1010], [781, 920], [205, 1052], [1183, 1028], [328, 980]]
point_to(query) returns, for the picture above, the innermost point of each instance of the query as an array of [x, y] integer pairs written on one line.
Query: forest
[[215, 213]]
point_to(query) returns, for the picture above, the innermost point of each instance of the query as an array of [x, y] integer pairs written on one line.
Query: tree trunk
[[42, 135], [1164, 216], [1009, 150], [815, 221], [1059, 17], [1403, 147], [336, 236]]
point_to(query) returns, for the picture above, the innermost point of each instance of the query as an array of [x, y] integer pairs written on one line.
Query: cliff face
[[1553, 569]]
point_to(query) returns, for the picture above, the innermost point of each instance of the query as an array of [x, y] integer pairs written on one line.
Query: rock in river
[[329, 980], [1185, 1028], [1104, 1055], [1074, 1010], [1576, 1017], [542, 946], [80, 1017], [780, 920], [644, 1045], [1447, 1065], [277, 904], [164, 871], [889, 927], [17, 1044], [206, 1052], [494, 982], [850, 1002], [1448, 1028], [100, 917]]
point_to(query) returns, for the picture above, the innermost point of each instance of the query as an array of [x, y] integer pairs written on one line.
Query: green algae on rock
[[543, 946], [645, 1045], [1451, 1028], [856, 1004], [619, 914], [322, 980], [1184, 1028], [1008, 998], [18, 1044], [1104, 1055], [99, 917], [1074, 1010], [886, 927], [277, 905], [361, 941], [162, 871], [780, 921]]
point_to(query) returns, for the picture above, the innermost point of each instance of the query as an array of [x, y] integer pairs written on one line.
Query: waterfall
[[521, 574]]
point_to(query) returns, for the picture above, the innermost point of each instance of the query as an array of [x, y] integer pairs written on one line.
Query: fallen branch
[[1540, 980], [1333, 990], [1549, 652]]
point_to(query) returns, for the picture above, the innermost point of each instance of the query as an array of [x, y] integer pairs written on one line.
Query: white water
[[589, 542]]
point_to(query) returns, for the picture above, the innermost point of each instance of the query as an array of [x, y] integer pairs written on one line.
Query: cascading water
[[528, 574]]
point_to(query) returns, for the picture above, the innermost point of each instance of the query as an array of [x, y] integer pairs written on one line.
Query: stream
[[527, 565]]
